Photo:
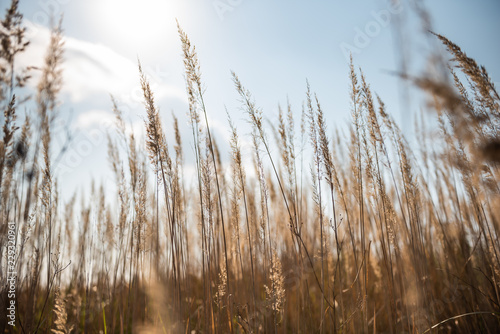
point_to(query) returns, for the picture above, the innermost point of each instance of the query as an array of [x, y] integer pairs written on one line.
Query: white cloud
[[104, 121], [91, 69], [94, 118]]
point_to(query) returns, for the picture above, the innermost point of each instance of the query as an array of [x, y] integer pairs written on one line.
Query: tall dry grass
[[362, 230]]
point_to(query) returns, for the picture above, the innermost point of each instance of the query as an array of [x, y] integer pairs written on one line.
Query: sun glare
[[141, 23]]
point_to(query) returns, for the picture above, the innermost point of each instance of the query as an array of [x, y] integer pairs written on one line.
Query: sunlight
[[141, 23]]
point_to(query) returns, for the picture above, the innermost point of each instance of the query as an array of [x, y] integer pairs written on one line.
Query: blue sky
[[272, 45]]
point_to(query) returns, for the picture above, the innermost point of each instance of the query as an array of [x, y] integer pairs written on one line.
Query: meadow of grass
[[318, 231]]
